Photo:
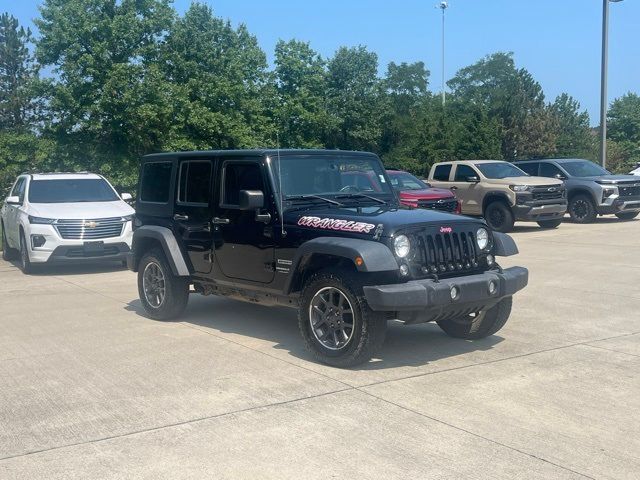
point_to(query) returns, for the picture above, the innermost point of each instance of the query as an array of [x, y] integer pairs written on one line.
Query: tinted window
[[500, 170], [463, 172], [71, 191], [406, 181], [195, 182], [240, 176], [530, 168], [442, 172], [549, 170], [584, 168], [155, 182]]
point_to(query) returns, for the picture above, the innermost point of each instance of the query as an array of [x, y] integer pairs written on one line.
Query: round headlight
[[482, 237], [401, 246]]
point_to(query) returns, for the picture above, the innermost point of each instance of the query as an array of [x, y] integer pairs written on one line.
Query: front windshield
[[406, 181], [497, 170], [584, 168], [71, 191], [331, 176]]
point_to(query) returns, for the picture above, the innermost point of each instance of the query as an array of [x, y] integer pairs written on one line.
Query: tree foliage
[[131, 77]]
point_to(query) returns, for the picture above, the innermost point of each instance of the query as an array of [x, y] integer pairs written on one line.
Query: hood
[[534, 181], [611, 179], [426, 194], [383, 220], [81, 210]]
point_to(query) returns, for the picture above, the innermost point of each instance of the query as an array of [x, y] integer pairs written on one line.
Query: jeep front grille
[[444, 205], [444, 253], [90, 229]]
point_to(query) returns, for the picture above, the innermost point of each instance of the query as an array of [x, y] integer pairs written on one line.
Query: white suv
[[63, 217]]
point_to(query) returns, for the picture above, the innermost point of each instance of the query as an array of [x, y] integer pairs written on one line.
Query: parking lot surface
[[91, 389]]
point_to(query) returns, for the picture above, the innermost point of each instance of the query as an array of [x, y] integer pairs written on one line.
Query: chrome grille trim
[[82, 229]]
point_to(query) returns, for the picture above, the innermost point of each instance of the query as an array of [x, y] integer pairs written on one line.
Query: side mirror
[[13, 200], [126, 197], [473, 179], [251, 199], [559, 176]]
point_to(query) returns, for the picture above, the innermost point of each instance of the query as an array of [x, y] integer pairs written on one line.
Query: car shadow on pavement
[[277, 328]]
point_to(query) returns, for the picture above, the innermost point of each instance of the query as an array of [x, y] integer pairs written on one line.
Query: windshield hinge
[[378, 232]]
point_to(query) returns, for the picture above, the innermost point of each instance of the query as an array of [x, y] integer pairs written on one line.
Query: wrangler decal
[[336, 224]]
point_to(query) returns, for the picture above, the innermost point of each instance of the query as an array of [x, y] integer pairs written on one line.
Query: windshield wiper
[[364, 195], [314, 197]]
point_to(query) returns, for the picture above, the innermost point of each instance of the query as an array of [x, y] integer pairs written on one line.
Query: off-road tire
[[8, 253], [482, 325], [627, 215], [176, 289], [581, 209], [550, 223], [369, 327], [499, 217]]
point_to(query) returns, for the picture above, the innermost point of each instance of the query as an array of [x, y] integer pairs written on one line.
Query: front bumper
[[533, 212], [429, 300], [619, 204], [111, 252]]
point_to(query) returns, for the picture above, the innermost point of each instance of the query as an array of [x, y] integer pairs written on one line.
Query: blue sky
[[557, 41]]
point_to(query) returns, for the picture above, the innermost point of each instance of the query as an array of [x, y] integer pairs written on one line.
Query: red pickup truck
[[416, 193]]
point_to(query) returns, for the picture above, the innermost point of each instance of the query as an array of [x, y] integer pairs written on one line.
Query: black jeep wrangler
[[289, 228]]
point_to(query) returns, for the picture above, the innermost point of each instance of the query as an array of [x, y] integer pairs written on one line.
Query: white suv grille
[[90, 229]]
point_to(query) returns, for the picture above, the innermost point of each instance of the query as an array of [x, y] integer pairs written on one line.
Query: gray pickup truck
[[591, 189]]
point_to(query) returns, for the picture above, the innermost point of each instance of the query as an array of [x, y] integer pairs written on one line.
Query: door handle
[[453, 188], [220, 221], [180, 218]]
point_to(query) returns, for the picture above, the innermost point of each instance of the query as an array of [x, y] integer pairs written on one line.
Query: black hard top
[[264, 152]]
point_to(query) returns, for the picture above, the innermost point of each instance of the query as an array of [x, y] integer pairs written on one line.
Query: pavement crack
[[175, 424], [477, 435]]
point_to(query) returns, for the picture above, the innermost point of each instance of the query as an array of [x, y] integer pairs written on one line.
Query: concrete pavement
[[91, 389]]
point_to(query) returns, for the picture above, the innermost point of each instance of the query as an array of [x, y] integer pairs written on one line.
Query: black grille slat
[[444, 205], [629, 191], [448, 252]]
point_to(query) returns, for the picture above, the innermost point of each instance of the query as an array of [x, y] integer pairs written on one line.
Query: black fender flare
[[376, 256], [169, 244], [504, 245]]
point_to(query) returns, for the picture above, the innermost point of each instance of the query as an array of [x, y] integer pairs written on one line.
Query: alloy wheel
[[153, 283], [331, 317], [580, 209]]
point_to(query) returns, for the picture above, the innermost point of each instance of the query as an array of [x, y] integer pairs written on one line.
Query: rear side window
[[463, 172], [195, 182], [549, 170], [442, 172], [240, 176], [530, 168], [155, 182]]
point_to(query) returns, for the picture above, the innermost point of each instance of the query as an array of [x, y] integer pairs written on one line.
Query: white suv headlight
[[519, 188], [401, 246], [482, 238]]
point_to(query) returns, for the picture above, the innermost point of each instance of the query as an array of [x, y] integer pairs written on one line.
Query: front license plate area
[[94, 248]]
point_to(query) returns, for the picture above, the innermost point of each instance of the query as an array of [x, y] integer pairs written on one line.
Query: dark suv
[[291, 228], [591, 189]]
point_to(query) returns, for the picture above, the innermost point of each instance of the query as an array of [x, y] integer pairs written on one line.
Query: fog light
[[454, 292], [490, 260], [493, 287], [37, 241], [404, 270]]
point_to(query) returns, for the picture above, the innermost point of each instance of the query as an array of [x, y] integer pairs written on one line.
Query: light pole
[[603, 81], [443, 6]]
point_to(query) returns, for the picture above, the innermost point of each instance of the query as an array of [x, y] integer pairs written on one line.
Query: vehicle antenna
[[282, 231]]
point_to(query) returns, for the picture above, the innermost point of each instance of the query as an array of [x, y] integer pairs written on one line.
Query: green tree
[[623, 133], [574, 138], [300, 112], [108, 103], [219, 82], [18, 76], [514, 97], [354, 93]]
